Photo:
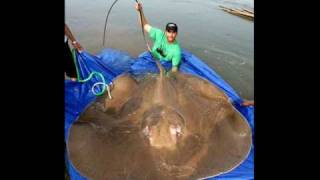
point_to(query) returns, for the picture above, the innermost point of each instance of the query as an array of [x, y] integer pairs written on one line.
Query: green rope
[[90, 76]]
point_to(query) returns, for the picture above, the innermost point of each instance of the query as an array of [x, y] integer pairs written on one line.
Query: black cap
[[171, 27]]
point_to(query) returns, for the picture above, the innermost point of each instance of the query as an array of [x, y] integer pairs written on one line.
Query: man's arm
[[176, 60], [146, 25], [70, 36]]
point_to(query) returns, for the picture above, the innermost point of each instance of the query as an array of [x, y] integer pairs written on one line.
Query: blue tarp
[[112, 63]]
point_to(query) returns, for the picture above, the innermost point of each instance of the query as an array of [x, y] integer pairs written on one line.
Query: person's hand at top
[[77, 46], [138, 6]]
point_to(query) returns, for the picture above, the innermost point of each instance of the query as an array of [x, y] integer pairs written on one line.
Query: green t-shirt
[[172, 52]]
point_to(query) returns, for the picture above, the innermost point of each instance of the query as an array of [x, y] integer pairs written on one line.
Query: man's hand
[[247, 103], [77, 46], [172, 73], [138, 6], [174, 69]]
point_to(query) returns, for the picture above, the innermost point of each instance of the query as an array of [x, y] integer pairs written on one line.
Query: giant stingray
[[176, 127]]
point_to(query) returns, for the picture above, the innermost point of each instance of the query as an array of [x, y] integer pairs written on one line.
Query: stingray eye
[[146, 131], [179, 132], [175, 130]]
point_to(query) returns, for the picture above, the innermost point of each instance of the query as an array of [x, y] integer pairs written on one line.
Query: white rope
[[101, 83]]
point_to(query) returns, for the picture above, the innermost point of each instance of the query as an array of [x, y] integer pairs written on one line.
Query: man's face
[[171, 36]]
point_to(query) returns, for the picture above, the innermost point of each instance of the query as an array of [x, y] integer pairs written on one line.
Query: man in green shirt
[[165, 46]]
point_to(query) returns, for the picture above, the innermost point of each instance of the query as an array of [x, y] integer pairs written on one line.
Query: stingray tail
[[161, 69]]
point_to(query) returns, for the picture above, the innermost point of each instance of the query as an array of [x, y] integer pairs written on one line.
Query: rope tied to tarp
[[102, 82]]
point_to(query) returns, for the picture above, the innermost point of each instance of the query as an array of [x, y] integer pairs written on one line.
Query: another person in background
[[69, 66]]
